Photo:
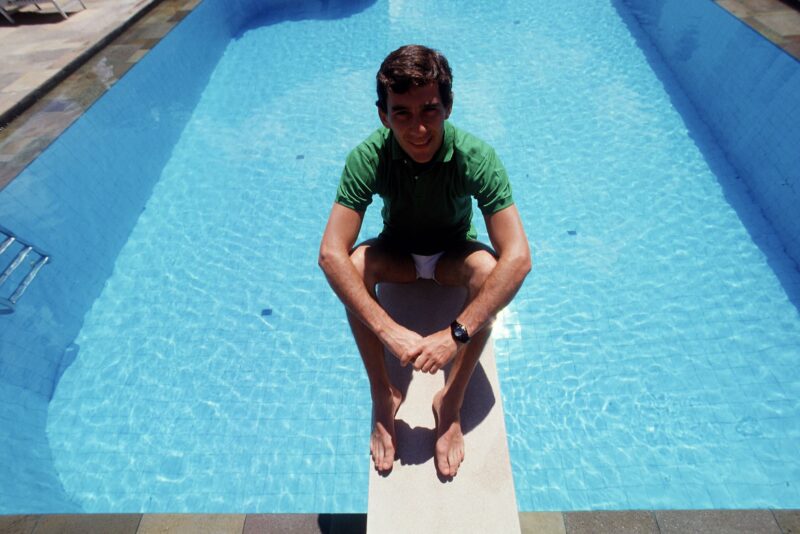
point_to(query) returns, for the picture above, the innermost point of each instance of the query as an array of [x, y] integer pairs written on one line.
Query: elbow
[[325, 258], [526, 265], [330, 256], [523, 263]]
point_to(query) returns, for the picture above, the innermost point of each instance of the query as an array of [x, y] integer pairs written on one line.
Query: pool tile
[[191, 524], [610, 522], [717, 521], [88, 524]]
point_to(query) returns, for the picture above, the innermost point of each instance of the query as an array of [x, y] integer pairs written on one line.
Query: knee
[[481, 266], [364, 262], [359, 259]]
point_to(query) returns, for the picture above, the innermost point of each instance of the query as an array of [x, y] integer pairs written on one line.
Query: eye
[[401, 115]]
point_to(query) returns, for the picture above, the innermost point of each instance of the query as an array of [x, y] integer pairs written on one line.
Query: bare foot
[[449, 438], [382, 441]]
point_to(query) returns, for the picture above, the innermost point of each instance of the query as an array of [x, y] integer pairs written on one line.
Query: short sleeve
[[489, 184], [357, 184]]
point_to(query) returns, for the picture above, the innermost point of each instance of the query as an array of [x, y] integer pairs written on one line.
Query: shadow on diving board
[[413, 498]]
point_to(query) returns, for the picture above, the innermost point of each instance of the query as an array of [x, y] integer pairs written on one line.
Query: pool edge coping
[[8, 116], [29, 127], [779, 521]]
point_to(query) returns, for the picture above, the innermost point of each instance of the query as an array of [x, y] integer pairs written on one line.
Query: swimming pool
[[649, 361]]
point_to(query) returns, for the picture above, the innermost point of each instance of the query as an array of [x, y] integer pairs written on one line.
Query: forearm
[[349, 286], [500, 287]]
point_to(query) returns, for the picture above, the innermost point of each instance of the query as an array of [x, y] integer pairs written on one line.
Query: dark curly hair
[[414, 65]]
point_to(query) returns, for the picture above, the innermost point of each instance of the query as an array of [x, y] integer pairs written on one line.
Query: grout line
[[772, 511], [655, 520]]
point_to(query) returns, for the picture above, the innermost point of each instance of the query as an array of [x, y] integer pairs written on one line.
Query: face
[[416, 118]]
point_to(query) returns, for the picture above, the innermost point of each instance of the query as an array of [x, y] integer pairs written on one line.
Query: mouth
[[419, 144]]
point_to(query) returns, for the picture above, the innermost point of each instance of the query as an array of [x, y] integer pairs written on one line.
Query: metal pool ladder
[[9, 303]]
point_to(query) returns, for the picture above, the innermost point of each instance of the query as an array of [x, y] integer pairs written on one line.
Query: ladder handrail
[[28, 279], [8, 304], [9, 233], [14, 264], [7, 243]]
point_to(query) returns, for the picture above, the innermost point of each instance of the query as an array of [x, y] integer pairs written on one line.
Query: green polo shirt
[[426, 208]]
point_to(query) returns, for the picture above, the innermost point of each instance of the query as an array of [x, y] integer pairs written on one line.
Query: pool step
[[20, 250], [412, 498]]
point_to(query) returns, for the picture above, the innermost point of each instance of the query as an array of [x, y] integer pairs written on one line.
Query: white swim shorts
[[426, 265]]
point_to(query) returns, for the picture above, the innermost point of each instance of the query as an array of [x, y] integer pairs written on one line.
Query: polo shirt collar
[[445, 152]]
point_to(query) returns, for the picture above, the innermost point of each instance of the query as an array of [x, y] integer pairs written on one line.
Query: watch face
[[459, 332]]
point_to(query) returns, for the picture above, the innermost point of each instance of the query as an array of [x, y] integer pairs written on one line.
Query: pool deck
[[628, 522], [54, 69]]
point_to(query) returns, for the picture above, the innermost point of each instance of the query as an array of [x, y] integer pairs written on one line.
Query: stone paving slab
[[717, 521], [788, 520], [305, 524], [627, 522], [542, 523], [17, 524], [776, 20], [191, 524], [88, 524]]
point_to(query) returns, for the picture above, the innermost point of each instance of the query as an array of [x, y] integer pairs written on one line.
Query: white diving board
[[412, 497]]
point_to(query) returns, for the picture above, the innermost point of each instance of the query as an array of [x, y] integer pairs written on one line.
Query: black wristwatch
[[459, 332]]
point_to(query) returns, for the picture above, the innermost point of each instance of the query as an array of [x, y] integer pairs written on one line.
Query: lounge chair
[[11, 6]]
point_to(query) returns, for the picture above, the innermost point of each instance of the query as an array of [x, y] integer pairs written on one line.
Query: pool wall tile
[[751, 102]]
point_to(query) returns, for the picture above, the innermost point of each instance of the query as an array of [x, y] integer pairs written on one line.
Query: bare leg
[[468, 268], [447, 405], [376, 264]]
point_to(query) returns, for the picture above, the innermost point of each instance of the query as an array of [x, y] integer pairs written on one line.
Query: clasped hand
[[429, 354]]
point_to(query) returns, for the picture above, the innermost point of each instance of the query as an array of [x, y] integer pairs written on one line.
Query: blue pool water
[[649, 361]]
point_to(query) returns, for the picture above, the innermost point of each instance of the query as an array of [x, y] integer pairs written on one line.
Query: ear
[[449, 109], [383, 117]]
